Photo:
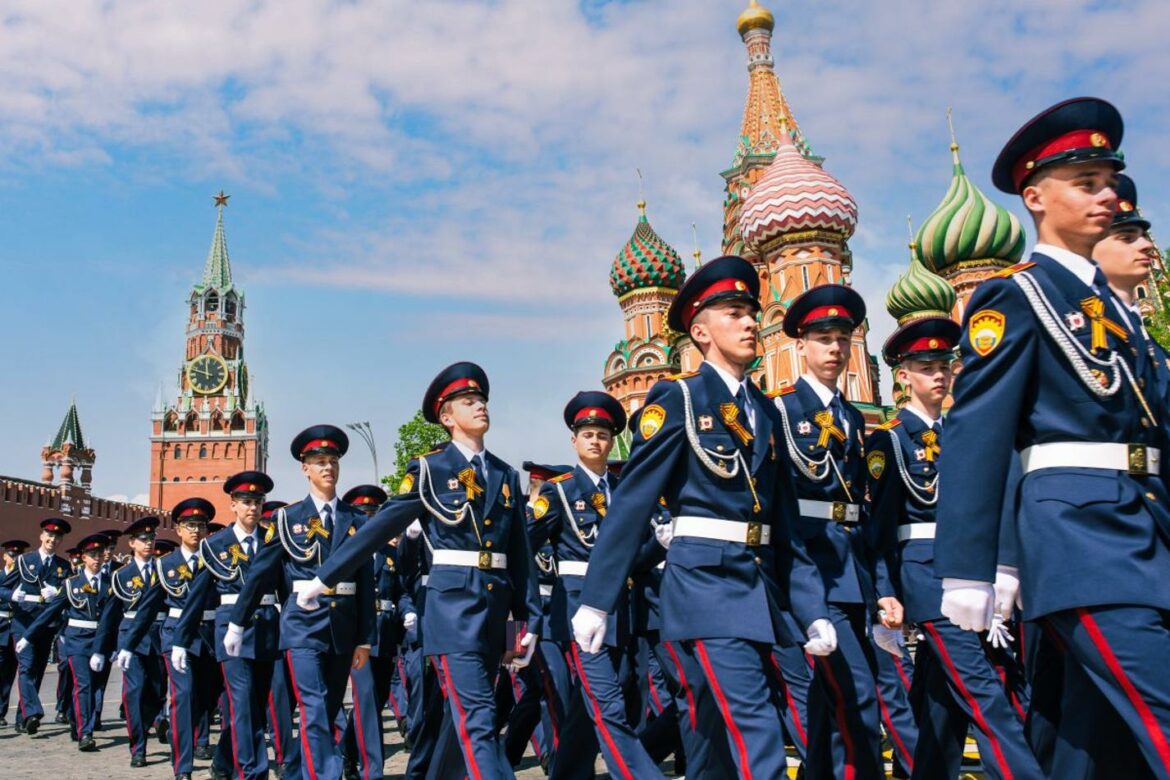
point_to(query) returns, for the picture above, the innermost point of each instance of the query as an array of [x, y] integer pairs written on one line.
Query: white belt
[[32, 599], [134, 613], [5, 615], [573, 568], [340, 589], [837, 511], [176, 613], [476, 560], [229, 599], [915, 531], [385, 605], [724, 530], [1137, 459], [546, 590], [75, 623]]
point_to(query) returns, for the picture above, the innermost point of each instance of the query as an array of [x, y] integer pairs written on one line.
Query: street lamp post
[[364, 430]]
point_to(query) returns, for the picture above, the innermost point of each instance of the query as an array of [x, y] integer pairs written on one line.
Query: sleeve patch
[[539, 507], [876, 463], [985, 331], [653, 416]]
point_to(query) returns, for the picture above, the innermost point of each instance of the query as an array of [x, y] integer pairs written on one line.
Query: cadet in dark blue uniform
[[471, 504], [281, 701], [99, 680], [80, 601], [958, 686], [143, 685], [570, 512], [706, 442], [13, 549], [36, 579], [1053, 369], [822, 434], [227, 559], [321, 645]]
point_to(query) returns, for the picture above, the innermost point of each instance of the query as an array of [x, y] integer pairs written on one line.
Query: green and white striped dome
[[919, 293]]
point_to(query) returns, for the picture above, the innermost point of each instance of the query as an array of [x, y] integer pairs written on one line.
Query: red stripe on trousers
[[966, 694], [842, 724], [357, 727], [77, 701], [745, 770], [277, 748], [907, 759], [174, 740], [129, 722], [901, 671], [292, 677], [790, 702], [463, 735], [1143, 710], [682, 681], [598, 720], [550, 695]]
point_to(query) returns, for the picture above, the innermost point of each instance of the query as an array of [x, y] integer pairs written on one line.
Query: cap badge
[[933, 343], [740, 286], [1124, 205], [1098, 140], [833, 311]]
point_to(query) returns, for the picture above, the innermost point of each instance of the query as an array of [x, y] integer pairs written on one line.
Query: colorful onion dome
[[919, 293], [794, 194], [646, 261], [967, 226], [755, 17]]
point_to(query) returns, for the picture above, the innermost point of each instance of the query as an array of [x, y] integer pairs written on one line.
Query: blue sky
[[416, 183]]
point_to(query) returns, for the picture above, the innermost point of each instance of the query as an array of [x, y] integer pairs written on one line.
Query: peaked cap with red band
[[196, 509], [270, 507], [146, 525], [825, 306], [929, 338], [56, 525], [455, 380], [248, 484], [1127, 214], [1074, 131], [163, 546], [365, 496], [15, 546], [93, 543], [320, 440], [595, 407], [544, 471], [725, 278]]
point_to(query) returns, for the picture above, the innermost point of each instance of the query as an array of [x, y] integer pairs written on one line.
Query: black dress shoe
[[204, 752], [3, 721], [351, 771], [218, 775], [19, 727], [61, 718], [278, 770], [86, 744], [32, 724], [183, 776], [163, 731], [137, 760]]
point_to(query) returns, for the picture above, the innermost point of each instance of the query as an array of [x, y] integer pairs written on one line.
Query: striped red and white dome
[[795, 194]]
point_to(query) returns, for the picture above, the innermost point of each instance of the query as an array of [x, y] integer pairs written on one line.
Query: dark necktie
[[477, 464], [248, 545], [327, 517], [148, 572], [741, 401], [603, 486], [837, 407]]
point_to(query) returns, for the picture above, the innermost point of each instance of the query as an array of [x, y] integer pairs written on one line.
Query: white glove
[[529, 644], [998, 635], [233, 640], [21, 644], [664, 533], [822, 637], [97, 662], [124, 659], [48, 592], [589, 628], [410, 620], [179, 659], [889, 639], [17, 595], [1007, 590], [307, 598], [413, 530], [969, 604]]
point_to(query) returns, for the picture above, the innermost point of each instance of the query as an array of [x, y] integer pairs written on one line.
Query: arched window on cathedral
[[202, 450]]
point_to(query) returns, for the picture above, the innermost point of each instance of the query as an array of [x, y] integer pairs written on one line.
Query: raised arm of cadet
[[48, 616]]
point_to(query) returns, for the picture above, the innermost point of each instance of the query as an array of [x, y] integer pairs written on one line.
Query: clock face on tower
[[207, 374]]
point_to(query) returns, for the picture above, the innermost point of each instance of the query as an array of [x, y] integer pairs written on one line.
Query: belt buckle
[[754, 533], [840, 511], [329, 592], [485, 560], [1138, 460]]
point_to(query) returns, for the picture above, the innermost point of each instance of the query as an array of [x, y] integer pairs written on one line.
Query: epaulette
[[432, 452], [1013, 269], [683, 375], [889, 424], [781, 391], [561, 477]]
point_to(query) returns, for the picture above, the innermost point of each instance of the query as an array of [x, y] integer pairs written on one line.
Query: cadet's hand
[[97, 662], [21, 645], [529, 643], [17, 595], [233, 640], [822, 637], [998, 635], [889, 639], [179, 659], [124, 659], [890, 612], [307, 598], [414, 530], [361, 654], [1007, 590], [48, 592], [589, 628], [410, 620], [969, 604], [664, 533]]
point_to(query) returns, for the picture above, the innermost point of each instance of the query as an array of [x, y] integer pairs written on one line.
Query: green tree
[[1158, 322], [415, 437]]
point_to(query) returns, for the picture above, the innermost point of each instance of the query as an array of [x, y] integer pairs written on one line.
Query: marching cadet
[[99, 680], [12, 550], [280, 697], [37, 577], [570, 512], [192, 697], [321, 646], [143, 689], [822, 434], [956, 682], [706, 443], [370, 685], [471, 504], [227, 561], [1053, 370], [79, 600]]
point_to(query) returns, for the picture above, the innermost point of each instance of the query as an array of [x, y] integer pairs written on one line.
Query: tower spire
[[954, 142], [70, 430], [217, 271]]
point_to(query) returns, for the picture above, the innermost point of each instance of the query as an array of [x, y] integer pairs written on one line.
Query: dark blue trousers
[[425, 712], [246, 684], [143, 697], [31, 671], [961, 687], [318, 682], [193, 694], [468, 680], [894, 678], [532, 717], [100, 680], [796, 675], [7, 674], [363, 727], [279, 715], [660, 735], [82, 694]]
